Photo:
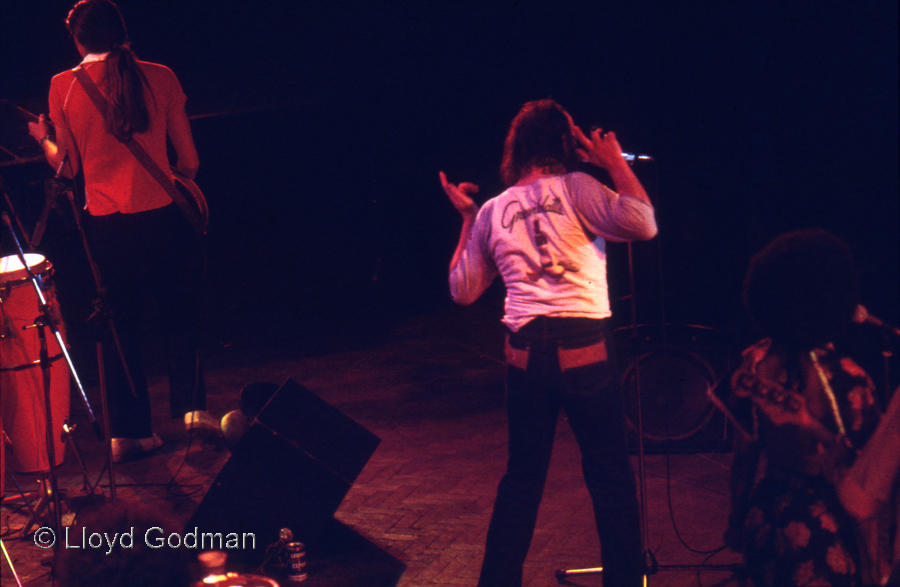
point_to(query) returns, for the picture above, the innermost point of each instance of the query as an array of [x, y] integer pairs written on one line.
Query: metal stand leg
[[48, 499], [70, 440], [104, 404]]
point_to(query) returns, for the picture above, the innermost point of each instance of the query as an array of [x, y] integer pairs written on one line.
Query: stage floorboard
[[431, 388]]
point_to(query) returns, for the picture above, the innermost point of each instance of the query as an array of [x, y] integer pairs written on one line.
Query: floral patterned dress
[[806, 414]]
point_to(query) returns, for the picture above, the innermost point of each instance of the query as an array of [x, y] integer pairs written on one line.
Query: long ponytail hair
[[98, 26]]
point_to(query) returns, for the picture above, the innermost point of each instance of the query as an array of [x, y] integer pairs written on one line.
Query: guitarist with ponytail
[[100, 27], [112, 116]]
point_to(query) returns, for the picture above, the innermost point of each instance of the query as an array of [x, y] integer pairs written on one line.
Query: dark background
[[322, 127]]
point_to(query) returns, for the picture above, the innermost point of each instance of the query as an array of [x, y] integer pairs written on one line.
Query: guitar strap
[[141, 154]]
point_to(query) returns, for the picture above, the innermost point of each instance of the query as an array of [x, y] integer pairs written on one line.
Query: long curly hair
[[98, 26], [802, 289], [131, 562], [539, 136]]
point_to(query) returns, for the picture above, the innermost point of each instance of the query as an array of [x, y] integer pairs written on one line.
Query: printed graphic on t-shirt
[[513, 212], [555, 268]]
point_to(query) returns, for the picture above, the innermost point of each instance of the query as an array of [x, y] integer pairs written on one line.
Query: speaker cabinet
[[292, 468], [668, 372]]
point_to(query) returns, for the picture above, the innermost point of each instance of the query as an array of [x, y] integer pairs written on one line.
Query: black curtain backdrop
[[322, 127]]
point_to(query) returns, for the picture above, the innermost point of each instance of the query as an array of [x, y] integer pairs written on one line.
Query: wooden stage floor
[[431, 388]]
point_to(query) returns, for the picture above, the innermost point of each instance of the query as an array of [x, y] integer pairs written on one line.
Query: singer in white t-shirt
[[546, 237]]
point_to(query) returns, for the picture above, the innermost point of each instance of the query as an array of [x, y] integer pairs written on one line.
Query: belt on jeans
[[569, 358]]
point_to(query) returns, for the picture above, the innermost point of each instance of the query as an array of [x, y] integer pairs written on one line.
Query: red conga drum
[[22, 399]]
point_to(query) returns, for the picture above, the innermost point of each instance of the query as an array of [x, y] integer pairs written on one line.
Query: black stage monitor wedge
[[292, 468]]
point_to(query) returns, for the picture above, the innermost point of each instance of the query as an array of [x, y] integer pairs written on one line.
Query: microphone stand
[[651, 565]]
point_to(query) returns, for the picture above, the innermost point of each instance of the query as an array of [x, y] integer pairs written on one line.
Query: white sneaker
[[202, 422], [129, 449]]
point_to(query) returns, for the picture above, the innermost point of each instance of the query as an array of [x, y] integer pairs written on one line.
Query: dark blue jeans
[[590, 395], [152, 255]]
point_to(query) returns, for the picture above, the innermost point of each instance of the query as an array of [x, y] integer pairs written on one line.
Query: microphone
[[631, 157], [862, 316]]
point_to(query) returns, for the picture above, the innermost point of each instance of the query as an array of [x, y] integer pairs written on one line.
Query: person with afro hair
[[811, 412]]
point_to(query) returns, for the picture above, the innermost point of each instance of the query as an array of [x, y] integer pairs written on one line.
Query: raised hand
[[460, 195], [601, 149], [39, 129]]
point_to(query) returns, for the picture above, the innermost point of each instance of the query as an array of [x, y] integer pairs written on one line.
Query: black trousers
[[153, 255], [590, 395]]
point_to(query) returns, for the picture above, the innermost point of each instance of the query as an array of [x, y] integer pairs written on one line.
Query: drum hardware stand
[[101, 312], [49, 495], [70, 440], [34, 511], [651, 565], [44, 321], [48, 319], [52, 190], [16, 216], [105, 402]]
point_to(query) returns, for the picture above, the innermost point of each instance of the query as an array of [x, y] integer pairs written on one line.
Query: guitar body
[[195, 199]]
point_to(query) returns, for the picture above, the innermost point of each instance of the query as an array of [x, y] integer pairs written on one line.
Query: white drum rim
[[12, 270]]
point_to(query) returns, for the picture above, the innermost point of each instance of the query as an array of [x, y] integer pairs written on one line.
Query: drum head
[[11, 268]]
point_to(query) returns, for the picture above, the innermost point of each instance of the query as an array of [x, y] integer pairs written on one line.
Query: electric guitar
[[195, 200], [197, 212]]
